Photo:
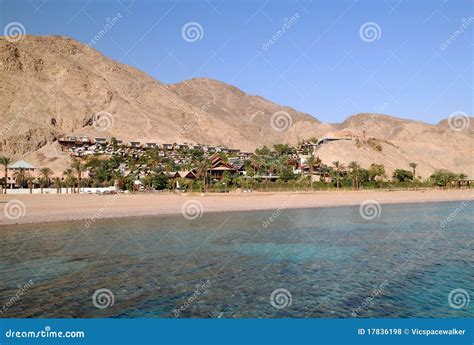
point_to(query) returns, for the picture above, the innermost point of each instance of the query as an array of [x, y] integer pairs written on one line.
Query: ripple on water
[[332, 262]]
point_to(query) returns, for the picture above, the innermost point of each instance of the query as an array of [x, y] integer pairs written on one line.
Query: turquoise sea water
[[330, 262]]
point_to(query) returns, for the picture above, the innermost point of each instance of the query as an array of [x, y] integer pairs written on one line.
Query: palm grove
[[275, 168]]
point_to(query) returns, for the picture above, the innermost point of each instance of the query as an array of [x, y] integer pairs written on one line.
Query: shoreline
[[45, 208]]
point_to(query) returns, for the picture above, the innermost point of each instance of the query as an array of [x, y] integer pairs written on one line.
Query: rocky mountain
[[396, 142], [53, 86]]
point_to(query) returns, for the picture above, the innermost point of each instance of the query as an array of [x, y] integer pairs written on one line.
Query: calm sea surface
[[327, 262]]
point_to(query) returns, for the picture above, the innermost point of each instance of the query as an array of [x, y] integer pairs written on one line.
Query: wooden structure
[[218, 167], [465, 182]]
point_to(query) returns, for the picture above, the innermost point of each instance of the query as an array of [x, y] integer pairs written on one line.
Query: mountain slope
[[53, 86], [252, 114], [403, 141], [57, 84]]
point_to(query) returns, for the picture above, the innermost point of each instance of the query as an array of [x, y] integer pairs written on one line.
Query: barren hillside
[[53, 86], [403, 141]]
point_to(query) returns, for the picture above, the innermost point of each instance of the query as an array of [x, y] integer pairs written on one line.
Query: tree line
[[277, 164]]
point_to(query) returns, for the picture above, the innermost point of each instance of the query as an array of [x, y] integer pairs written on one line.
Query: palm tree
[[45, 177], [68, 179], [5, 161], [153, 159], [256, 163], [413, 166], [187, 166], [312, 162], [226, 179], [273, 166], [42, 182], [325, 171], [113, 141], [20, 177], [168, 167], [58, 183], [339, 167], [202, 168], [30, 181], [93, 162], [78, 167], [354, 168], [376, 170]]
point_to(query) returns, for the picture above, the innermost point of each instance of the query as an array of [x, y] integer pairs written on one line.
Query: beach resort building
[[219, 166], [17, 166]]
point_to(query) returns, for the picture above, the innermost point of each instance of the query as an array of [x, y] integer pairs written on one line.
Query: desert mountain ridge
[[52, 86]]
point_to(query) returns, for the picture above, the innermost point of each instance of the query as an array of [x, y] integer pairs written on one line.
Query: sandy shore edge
[[73, 207]]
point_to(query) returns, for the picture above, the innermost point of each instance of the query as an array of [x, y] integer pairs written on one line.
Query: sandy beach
[[64, 207]]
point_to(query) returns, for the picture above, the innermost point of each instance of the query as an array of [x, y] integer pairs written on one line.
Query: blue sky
[[322, 62]]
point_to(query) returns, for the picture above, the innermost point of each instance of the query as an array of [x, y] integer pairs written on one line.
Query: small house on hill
[[134, 144], [83, 140], [149, 145], [336, 135], [100, 140], [67, 142]]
